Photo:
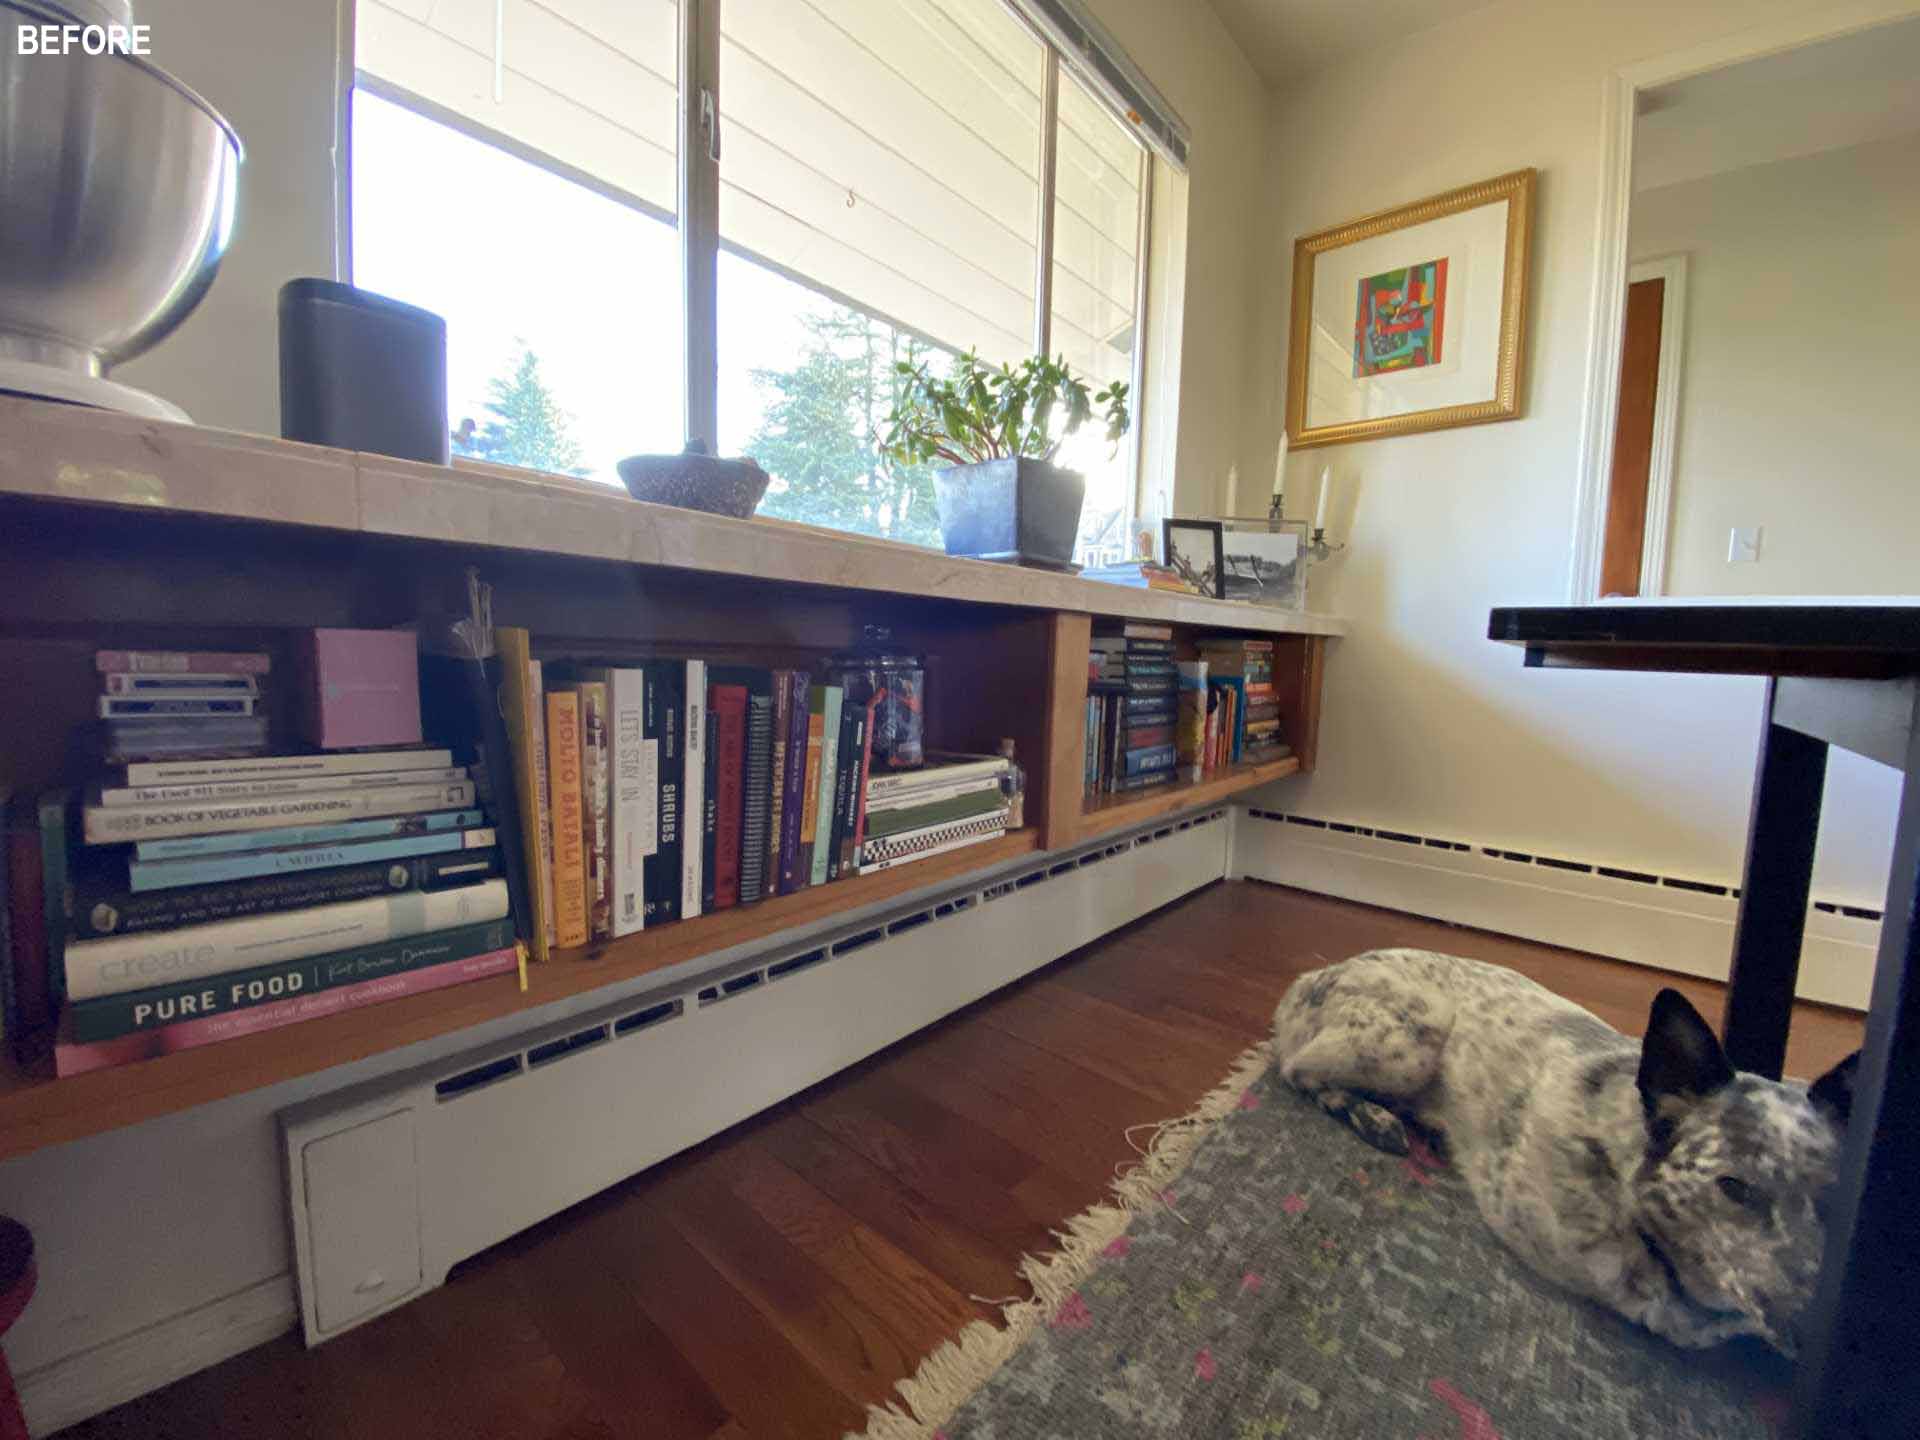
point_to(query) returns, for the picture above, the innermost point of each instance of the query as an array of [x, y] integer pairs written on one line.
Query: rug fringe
[[949, 1376]]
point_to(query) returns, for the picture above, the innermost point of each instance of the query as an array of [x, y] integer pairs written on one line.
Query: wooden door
[[1633, 441]]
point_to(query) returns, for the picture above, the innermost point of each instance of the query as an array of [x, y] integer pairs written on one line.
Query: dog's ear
[[1681, 1059], [1833, 1091]]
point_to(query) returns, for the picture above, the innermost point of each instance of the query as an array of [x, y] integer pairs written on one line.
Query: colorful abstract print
[[1400, 319]]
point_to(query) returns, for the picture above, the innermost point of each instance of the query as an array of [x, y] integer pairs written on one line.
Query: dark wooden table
[[1845, 675]]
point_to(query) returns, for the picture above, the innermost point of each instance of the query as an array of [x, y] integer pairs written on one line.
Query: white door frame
[[1607, 309], [1671, 270]]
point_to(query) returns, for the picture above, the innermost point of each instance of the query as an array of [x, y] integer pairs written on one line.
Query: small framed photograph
[[1411, 319], [1193, 551], [1265, 564]]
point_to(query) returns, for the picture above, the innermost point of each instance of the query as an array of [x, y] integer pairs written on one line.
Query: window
[[885, 169]]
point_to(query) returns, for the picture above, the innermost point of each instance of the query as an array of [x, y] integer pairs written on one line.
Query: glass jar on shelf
[[895, 684]]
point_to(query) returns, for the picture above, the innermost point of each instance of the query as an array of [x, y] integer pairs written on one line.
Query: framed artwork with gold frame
[[1413, 318]]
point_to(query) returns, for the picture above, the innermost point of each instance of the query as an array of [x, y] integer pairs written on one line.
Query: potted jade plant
[[1001, 497]]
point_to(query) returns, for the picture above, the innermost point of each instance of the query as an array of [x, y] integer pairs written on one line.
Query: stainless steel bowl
[[117, 190]]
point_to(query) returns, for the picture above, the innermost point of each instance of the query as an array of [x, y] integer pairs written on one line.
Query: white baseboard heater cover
[[393, 1182]]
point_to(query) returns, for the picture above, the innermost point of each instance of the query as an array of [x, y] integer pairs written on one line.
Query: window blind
[[589, 85]]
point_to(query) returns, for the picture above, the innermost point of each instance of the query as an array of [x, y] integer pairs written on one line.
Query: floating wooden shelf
[[36, 1110], [1117, 812]]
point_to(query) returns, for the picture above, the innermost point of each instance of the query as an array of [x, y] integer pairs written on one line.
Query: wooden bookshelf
[[37, 1110], [1105, 813], [123, 533]]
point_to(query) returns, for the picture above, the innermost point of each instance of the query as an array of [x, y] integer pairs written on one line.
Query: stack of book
[[1240, 673], [954, 801], [1141, 575], [159, 703], [209, 898], [1131, 708], [665, 789]]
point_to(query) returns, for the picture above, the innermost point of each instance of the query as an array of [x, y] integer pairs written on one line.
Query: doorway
[[1640, 487]]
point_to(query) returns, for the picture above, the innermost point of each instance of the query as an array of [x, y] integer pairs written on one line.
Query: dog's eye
[[1745, 1195]]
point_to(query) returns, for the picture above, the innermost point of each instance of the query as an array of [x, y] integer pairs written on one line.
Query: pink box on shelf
[[359, 688]]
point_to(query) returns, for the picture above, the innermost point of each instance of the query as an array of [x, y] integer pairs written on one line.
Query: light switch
[[1743, 545]]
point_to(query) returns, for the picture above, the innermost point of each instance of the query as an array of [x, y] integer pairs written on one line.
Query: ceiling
[[1288, 40], [1842, 92]]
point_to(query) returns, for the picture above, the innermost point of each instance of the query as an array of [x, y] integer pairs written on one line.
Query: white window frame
[[1055, 25]]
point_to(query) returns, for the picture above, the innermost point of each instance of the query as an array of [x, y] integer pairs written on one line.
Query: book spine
[[794, 782], [730, 718], [596, 808], [133, 962], [879, 787], [163, 1005], [866, 776], [633, 798], [936, 840], [665, 715], [100, 909], [842, 755], [1139, 762], [816, 752], [180, 662], [74, 1058], [347, 833], [777, 777], [756, 797], [133, 684], [32, 1007], [168, 772], [563, 775], [824, 786], [543, 798], [121, 707], [710, 824], [854, 763], [1141, 781], [520, 702], [108, 825], [693, 795], [906, 799], [899, 822], [267, 789]]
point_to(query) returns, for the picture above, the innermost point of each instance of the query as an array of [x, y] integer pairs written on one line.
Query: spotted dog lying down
[[1650, 1177]]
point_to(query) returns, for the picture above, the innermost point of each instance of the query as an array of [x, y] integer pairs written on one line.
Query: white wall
[[1188, 55], [268, 66], [1796, 396], [1427, 726]]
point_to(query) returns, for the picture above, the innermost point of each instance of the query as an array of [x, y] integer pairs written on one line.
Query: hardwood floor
[[777, 1279]]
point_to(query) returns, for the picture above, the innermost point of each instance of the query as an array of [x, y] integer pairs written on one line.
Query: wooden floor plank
[[771, 1281]]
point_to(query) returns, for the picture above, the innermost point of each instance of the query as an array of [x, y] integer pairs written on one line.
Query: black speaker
[[362, 372]]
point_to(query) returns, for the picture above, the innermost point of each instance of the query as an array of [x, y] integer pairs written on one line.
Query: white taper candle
[[1326, 490]]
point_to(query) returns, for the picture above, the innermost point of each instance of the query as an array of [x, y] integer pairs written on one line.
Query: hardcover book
[[543, 796], [916, 817], [72, 1057], [569, 861], [846, 763], [127, 683], [820, 846], [163, 1005], [665, 714], [812, 751], [710, 837], [886, 851], [794, 802], [346, 832], [729, 703], [777, 776], [101, 903], [134, 962], [181, 662], [693, 795], [633, 816], [171, 772], [523, 703], [108, 825], [191, 792], [756, 798], [596, 808], [119, 707]]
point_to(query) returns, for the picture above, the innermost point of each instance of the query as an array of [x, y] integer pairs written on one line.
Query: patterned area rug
[[1282, 1279]]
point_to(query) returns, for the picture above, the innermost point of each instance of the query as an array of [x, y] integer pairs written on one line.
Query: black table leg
[[1773, 896], [1858, 1378]]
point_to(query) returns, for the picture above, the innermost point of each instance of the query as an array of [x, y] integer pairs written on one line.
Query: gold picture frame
[[1396, 346]]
